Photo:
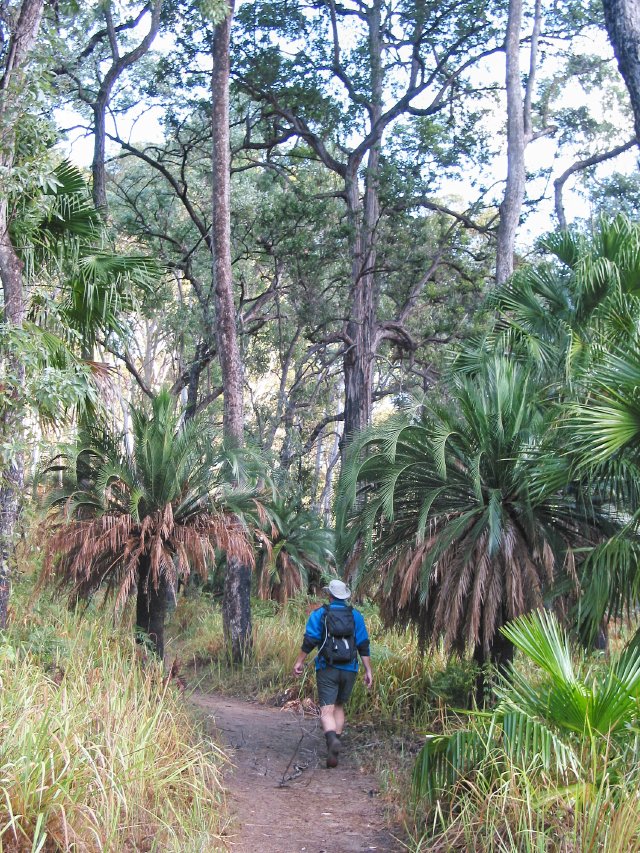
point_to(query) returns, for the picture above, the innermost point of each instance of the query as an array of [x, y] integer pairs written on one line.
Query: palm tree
[[143, 520], [553, 314], [298, 551], [466, 516], [605, 428], [577, 723], [574, 321]]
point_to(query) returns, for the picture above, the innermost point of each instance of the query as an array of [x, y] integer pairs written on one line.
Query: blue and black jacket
[[314, 635]]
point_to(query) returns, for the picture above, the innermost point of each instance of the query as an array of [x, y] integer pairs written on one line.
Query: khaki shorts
[[334, 685]]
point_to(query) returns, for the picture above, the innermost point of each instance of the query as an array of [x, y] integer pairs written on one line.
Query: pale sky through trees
[[142, 124]]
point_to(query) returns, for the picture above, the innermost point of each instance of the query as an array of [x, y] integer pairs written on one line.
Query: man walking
[[340, 634]]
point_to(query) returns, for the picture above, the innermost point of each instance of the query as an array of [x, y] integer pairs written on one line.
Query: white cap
[[338, 589]]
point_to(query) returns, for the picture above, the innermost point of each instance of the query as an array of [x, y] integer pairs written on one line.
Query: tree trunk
[[98, 167], [236, 604], [99, 106], [500, 656], [151, 606], [226, 331], [622, 19], [514, 191], [519, 134], [361, 328], [236, 609], [22, 40]]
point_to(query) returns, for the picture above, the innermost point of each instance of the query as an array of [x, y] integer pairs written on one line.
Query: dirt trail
[[282, 796]]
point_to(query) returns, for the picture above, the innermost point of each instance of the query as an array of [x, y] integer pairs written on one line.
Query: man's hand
[[298, 667], [368, 672]]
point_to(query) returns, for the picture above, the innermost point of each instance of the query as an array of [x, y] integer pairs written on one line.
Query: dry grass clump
[[98, 752]]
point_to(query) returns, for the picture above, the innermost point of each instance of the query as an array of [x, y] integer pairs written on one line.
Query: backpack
[[339, 644]]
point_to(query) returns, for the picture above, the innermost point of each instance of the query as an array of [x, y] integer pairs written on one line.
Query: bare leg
[[328, 719], [338, 716]]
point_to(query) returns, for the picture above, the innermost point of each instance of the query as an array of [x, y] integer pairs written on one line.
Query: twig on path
[[283, 781]]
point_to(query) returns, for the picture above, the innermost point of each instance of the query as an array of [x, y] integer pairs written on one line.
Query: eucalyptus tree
[[520, 132], [19, 25], [98, 53], [338, 79]]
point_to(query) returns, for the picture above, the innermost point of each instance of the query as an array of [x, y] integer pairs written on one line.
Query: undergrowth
[[409, 689], [98, 750]]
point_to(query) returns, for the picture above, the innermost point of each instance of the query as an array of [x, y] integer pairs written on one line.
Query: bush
[[99, 752]]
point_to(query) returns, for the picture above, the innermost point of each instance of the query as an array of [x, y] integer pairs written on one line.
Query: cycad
[[144, 520], [573, 725], [465, 517], [297, 551]]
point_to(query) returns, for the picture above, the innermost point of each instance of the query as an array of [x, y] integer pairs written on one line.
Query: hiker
[[339, 632]]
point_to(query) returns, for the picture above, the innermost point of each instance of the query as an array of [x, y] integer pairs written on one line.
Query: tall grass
[[98, 752], [515, 811]]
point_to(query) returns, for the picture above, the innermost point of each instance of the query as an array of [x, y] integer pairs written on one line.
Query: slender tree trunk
[[500, 656], [151, 606], [514, 191], [98, 166], [519, 134], [622, 19], [236, 602], [360, 329], [21, 43], [362, 326]]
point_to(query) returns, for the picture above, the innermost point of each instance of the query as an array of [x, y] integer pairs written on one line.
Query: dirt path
[[283, 798]]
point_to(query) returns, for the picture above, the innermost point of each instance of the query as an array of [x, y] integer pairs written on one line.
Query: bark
[[236, 604], [193, 385], [236, 609], [622, 19], [226, 331], [22, 40], [151, 606], [361, 330], [519, 133]]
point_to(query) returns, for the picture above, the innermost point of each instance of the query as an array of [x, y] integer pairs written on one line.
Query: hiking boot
[[333, 750]]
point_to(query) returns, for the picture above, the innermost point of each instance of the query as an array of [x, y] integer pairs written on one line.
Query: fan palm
[[605, 430], [63, 242], [575, 723], [466, 516], [143, 520], [553, 314], [298, 551]]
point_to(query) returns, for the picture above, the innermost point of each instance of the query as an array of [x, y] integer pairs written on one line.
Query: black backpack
[[339, 643]]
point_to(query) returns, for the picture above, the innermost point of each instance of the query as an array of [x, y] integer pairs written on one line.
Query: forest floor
[[281, 796]]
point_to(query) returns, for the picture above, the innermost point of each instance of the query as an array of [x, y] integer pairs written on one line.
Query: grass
[[520, 812], [98, 750]]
